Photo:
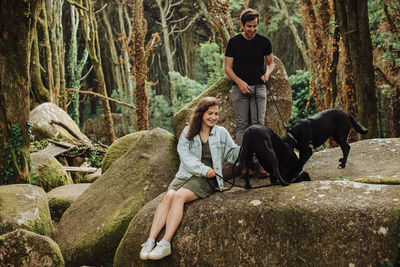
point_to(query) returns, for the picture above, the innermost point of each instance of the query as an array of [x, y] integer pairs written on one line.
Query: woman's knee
[[169, 196]]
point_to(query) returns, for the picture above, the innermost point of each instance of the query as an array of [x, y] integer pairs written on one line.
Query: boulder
[[372, 160], [96, 128], [62, 197], [318, 223], [118, 148], [280, 88], [50, 121], [92, 227], [25, 248], [24, 206], [48, 172]]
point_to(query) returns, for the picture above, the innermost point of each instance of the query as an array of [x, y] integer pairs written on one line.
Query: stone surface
[[372, 159], [43, 118], [118, 148], [48, 172], [92, 227], [319, 223], [96, 129], [62, 197], [280, 88], [24, 206], [23, 248]]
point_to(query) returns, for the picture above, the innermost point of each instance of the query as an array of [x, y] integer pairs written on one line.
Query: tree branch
[[102, 96]]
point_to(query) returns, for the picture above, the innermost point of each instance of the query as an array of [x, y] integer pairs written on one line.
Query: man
[[244, 64]]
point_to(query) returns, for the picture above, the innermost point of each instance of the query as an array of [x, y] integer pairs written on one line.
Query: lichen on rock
[[25, 248]]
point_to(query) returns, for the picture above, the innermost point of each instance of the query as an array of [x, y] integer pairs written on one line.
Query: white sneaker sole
[[144, 257], [159, 257]]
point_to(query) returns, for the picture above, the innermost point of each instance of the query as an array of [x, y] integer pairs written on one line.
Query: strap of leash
[[276, 106]]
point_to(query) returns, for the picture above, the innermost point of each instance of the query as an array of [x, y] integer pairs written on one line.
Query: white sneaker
[[160, 251], [147, 247]]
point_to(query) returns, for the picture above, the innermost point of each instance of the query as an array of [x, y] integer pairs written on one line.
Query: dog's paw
[[342, 165], [341, 159]]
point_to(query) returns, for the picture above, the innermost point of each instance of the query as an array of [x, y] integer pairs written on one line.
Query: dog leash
[[276, 106]]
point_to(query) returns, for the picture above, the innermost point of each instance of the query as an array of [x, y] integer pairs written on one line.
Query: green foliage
[[11, 154], [300, 94], [95, 157], [278, 17], [161, 111], [185, 89], [211, 61]]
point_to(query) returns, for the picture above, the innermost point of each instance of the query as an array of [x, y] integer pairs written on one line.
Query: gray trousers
[[248, 109]]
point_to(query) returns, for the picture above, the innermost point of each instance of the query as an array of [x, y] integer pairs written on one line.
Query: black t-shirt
[[248, 57]]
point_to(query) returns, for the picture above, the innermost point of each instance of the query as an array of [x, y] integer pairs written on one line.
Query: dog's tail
[[358, 127]]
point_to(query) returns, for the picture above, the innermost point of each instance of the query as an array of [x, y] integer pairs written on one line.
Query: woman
[[202, 148]]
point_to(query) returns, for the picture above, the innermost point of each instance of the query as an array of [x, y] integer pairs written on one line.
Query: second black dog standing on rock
[[276, 156], [314, 131]]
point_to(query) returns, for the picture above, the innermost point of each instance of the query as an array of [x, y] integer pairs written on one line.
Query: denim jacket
[[222, 148]]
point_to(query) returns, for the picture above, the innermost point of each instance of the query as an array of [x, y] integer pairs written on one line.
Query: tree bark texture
[[90, 34], [74, 65], [354, 28], [140, 69], [39, 93], [17, 25]]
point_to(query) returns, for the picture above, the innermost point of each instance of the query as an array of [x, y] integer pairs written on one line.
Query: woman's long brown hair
[[197, 117]]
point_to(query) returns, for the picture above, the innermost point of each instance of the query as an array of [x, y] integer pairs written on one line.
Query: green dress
[[198, 185]]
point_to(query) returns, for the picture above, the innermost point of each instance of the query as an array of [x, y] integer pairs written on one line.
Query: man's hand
[[265, 77], [244, 87], [211, 173]]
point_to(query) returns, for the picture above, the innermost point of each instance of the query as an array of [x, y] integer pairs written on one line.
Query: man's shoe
[[147, 247], [243, 172], [160, 251], [261, 173]]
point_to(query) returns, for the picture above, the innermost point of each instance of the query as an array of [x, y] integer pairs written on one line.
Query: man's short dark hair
[[249, 15]]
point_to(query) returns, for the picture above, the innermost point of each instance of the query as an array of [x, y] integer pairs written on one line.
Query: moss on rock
[[25, 248], [118, 148], [91, 228], [307, 224], [48, 172], [62, 197], [24, 206]]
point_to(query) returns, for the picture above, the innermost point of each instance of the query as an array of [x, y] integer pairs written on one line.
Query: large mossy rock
[[92, 227], [50, 121], [280, 88], [62, 197], [372, 160], [27, 249], [48, 172], [24, 206], [118, 148], [319, 223]]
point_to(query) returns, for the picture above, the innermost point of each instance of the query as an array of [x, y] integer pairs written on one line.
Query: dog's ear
[[303, 133]]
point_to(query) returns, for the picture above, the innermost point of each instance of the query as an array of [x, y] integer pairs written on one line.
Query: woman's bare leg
[[174, 218], [160, 216]]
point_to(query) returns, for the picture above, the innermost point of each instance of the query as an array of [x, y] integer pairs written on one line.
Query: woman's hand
[[211, 173]]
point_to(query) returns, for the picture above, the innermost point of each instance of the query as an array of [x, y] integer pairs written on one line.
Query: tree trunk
[[74, 66], [140, 69], [48, 53], [281, 5], [354, 27], [90, 34], [17, 26], [39, 92]]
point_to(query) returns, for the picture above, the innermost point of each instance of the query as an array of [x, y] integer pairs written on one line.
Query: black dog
[[276, 156], [314, 131]]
